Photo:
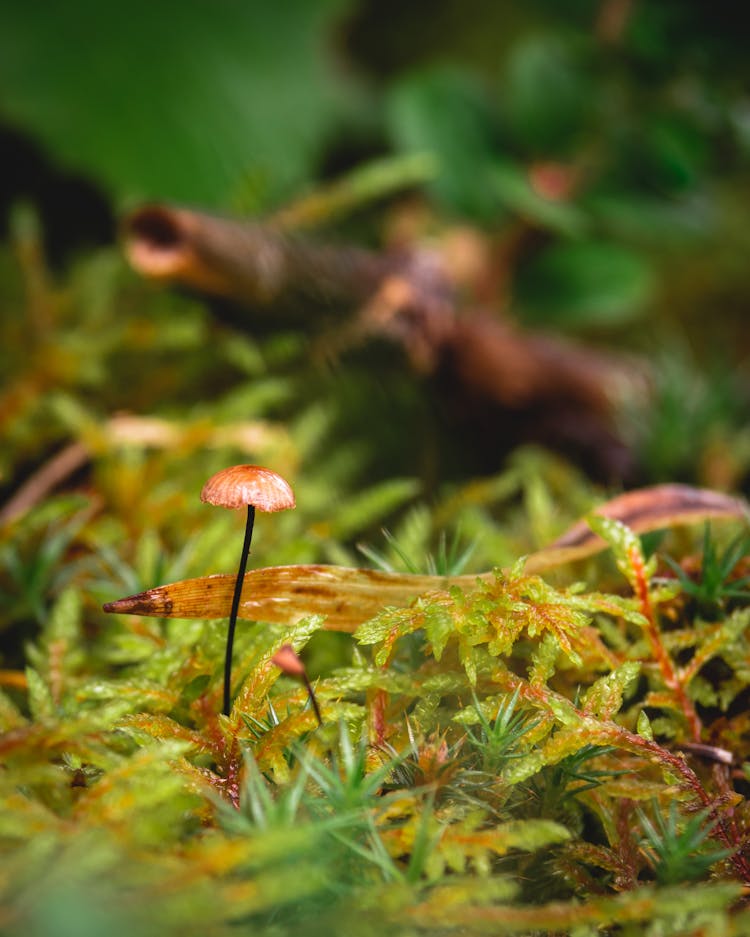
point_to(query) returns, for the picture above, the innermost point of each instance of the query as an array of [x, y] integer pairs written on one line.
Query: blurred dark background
[[597, 151]]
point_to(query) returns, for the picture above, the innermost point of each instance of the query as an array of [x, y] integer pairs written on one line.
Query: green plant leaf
[[514, 190], [189, 103], [546, 94], [589, 283], [443, 111]]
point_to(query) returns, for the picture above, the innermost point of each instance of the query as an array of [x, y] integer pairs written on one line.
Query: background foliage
[[597, 153]]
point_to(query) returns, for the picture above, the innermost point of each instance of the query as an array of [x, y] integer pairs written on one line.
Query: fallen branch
[[498, 385], [251, 264]]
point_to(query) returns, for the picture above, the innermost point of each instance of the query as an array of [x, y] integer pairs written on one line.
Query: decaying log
[[536, 388], [498, 385]]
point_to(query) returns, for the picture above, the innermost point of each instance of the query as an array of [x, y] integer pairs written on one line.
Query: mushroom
[[290, 663], [250, 486]]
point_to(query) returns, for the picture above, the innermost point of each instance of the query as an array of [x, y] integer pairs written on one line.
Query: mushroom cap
[[240, 485], [288, 661]]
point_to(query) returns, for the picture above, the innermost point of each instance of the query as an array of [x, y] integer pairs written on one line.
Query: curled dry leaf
[[645, 509], [347, 597]]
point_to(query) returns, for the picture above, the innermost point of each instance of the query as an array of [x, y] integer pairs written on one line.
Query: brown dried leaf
[[285, 594], [642, 510], [347, 597]]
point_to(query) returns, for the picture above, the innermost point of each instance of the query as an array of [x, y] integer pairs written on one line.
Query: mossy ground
[[535, 755]]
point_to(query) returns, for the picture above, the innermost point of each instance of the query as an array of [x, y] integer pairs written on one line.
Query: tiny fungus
[[250, 486], [289, 662]]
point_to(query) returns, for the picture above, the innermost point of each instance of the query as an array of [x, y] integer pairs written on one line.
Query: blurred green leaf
[[677, 151], [589, 283], [176, 100], [444, 112], [513, 188], [655, 221], [372, 505], [547, 97]]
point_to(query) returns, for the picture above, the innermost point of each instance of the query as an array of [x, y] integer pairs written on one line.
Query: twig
[[44, 480]]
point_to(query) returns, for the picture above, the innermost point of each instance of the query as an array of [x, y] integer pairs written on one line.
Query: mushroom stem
[[235, 609], [313, 700]]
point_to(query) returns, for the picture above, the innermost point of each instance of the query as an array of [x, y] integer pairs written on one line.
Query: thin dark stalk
[[235, 609], [313, 700]]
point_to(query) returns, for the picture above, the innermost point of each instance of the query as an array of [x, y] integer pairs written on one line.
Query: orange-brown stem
[[666, 667]]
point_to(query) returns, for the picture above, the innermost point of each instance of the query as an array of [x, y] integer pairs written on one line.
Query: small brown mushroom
[[250, 486], [290, 663]]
